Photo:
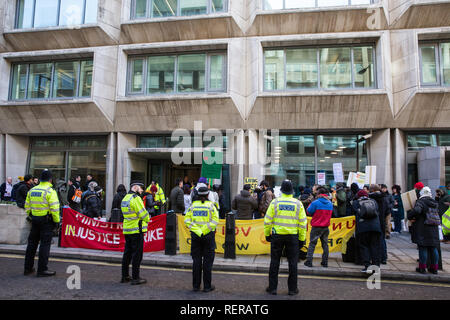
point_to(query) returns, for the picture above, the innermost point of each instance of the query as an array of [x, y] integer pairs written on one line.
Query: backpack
[[432, 217], [368, 209], [77, 196]]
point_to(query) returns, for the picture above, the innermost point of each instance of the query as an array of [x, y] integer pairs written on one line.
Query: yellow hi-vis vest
[[135, 216], [43, 200], [202, 218], [286, 215], [446, 222], [159, 195]]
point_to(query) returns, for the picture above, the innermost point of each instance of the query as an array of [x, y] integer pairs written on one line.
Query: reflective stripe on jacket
[[446, 222], [159, 195], [286, 215], [202, 218], [135, 216], [43, 200]]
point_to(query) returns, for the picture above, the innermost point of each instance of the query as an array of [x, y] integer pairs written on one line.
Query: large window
[[301, 157], [435, 63], [185, 73], [299, 4], [46, 80], [320, 68], [169, 8], [51, 13]]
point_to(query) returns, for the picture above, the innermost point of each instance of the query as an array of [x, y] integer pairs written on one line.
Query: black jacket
[[245, 204], [117, 200], [423, 235], [365, 225], [21, 194], [383, 206], [92, 205], [176, 200]]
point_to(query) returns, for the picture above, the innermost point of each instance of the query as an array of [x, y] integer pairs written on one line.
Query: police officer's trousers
[[134, 249], [202, 252], [278, 242], [41, 231]]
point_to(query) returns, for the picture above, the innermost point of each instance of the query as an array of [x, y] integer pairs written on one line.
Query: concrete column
[[399, 158], [238, 166], [2, 158], [123, 171], [110, 172], [255, 154], [380, 155], [431, 167], [16, 156]]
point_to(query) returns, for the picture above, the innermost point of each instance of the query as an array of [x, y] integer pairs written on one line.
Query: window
[[321, 68], [298, 4], [46, 80], [51, 13], [435, 63], [171, 8], [184, 73]]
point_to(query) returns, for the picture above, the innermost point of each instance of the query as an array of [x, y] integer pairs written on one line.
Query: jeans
[[423, 257], [277, 244], [316, 234]]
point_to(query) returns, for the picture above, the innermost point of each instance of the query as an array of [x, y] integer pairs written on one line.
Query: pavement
[[401, 264]]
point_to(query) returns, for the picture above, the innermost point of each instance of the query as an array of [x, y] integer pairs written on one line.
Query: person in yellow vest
[[202, 219], [446, 225], [285, 228], [42, 207], [135, 223], [159, 196]]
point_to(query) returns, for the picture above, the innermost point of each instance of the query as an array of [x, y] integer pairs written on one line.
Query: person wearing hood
[[381, 199], [245, 204], [92, 202], [426, 234], [321, 210], [22, 190]]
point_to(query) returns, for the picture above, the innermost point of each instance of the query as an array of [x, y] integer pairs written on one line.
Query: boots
[[421, 268], [433, 269]]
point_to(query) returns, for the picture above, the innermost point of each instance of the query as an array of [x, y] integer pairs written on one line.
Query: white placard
[[338, 172], [321, 178], [371, 175]]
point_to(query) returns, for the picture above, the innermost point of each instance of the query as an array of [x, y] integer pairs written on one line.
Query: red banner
[[80, 231]]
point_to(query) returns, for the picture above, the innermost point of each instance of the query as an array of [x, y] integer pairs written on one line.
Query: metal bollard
[[230, 237], [171, 233]]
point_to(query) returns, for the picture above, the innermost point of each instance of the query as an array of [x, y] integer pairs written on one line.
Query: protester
[[380, 198], [223, 206], [22, 190], [121, 192], [176, 197], [62, 190], [202, 223], [443, 199], [306, 197], [6, 190], [388, 214], [321, 211], [244, 203], [368, 229], [186, 182], [341, 200], [89, 179], [158, 196], [266, 198], [35, 181], [187, 197], [398, 212], [426, 221], [215, 195], [74, 195], [149, 201], [92, 202]]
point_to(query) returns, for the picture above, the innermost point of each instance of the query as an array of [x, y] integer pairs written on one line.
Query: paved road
[[100, 281]]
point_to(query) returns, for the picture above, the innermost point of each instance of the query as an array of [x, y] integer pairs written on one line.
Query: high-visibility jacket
[[135, 216], [286, 215], [43, 200], [202, 218], [446, 222], [159, 196]]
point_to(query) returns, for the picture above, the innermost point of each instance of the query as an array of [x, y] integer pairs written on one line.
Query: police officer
[[285, 228], [202, 219], [135, 222], [42, 207], [159, 196]]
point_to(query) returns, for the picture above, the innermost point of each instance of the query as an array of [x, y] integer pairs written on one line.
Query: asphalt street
[[100, 281]]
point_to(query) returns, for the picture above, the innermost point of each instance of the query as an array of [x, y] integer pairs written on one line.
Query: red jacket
[[321, 211]]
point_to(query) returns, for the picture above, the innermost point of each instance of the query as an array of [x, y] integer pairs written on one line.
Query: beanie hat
[[46, 175], [419, 186], [202, 180], [425, 192], [153, 188], [362, 193], [203, 191], [92, 185], [286, 187]]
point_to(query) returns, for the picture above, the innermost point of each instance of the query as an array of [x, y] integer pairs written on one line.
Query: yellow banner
[[250, 237]]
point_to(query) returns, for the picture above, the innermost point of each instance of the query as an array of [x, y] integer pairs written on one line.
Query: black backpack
[[368, 209]]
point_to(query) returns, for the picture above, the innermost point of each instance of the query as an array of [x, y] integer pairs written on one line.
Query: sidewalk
[[401, 265]]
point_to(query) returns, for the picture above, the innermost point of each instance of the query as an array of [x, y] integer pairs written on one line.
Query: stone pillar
[[110, 172], [16, 156], [123, 171], [399, 158], [431, 167], [2, 158], [238, 166], [255, 155], [380, 155]]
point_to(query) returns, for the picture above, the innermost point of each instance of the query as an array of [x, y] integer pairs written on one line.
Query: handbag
[[432, 217]]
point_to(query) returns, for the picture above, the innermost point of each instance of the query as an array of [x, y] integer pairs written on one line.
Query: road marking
[[112, 264]]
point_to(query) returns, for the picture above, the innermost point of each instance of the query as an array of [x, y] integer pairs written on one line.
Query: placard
[[338, 172]]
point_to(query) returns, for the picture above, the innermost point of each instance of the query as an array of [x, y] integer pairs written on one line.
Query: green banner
[[212, 164]]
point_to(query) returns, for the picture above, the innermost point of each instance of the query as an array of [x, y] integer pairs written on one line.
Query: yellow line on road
[[111, 264]]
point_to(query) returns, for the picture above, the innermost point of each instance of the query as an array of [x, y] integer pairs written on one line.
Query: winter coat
[[321, 211], [442, 206], [390, 203], [423, 235], [341, 198], [383, 206], [176, 200], [149, 204], [92, 204], [21, 194], [245, 204], [266, 199], [117, 200], [365, 225], [398, 210]]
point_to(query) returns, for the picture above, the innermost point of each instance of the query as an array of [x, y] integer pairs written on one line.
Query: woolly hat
[[362, 193], [419, 186], [202, 180], [425, 192]]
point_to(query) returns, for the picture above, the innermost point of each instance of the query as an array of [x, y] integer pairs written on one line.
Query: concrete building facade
[[100, 85]]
